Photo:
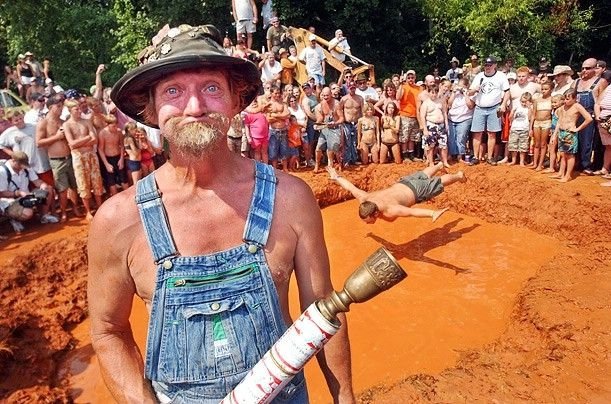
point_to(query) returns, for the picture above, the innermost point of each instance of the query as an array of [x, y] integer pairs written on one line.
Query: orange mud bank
[[506, 299]]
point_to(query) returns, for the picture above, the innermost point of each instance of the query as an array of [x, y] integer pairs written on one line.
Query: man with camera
[[16, 200]]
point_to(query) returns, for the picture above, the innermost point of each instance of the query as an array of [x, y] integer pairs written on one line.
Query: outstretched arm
[[347, 185], [403, 211]]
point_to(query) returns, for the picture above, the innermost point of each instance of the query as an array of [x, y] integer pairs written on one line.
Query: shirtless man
[[278, 129], [566, 131], [81, 137], [51, 136], [97, 113], [351, 109], [309, 101], [434, 118], [328, 119], [209, 212], [397, 200], [111, 150]]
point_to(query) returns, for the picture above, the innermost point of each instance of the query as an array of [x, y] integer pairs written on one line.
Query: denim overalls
[[212, 316], [586, 135]]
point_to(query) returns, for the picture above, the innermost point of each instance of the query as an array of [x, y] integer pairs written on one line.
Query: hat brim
[[134, 86]]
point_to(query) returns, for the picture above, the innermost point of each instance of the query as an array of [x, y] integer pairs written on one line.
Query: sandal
[[607, 176], [602, 171]]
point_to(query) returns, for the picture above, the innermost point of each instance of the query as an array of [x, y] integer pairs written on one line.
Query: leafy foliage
[[394, 35]]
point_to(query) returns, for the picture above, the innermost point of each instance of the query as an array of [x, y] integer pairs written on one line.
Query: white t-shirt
[[243, 10], [459, 111], [369, 94], [25, 140], [491, 89], [268, 72], [33, 116], [313, 58], [299, 113], [21, 180], [519, 116], [454, 75], [342, 43]]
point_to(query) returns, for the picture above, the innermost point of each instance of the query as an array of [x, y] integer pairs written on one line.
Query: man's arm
[[101, 152], [404, 211], [313, 280], [347, 185], [41, 135], [110, 291], [255, 12], [99, 88], [72, 142]]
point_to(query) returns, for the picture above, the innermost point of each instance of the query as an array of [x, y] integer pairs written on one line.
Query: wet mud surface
[[544, 337]]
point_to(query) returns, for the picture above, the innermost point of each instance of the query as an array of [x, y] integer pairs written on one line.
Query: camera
[[37, 198]]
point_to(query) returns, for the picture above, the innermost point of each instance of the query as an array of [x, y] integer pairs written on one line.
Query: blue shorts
[[278, 147], [329, 140], [486, 119], [133, 165], [320, 79], [293, 151]]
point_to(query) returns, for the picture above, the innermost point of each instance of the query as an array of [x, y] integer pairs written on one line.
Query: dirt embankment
[[555, 349]]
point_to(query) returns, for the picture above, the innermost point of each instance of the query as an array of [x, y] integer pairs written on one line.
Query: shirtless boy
[[557, 102], [278, 129], [50, 135], [567, 130], [396, 200], [541, 125], [351, 107], [81, 137], [111, 150]]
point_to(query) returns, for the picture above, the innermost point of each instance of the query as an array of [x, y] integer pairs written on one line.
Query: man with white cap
[[562, 79], [314, 59], [491, 89], [209, 240], [276, 34]]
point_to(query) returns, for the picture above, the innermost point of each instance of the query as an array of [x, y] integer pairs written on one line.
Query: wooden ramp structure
[[300, 38]]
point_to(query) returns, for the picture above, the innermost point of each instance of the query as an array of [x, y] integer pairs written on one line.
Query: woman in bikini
[[146, 152], [134, 156], [390, 134], [368, 135]]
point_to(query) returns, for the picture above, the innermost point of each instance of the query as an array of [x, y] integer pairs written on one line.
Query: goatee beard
[[196, 139]]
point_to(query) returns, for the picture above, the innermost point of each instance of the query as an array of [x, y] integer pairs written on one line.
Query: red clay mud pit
[[505, 300]]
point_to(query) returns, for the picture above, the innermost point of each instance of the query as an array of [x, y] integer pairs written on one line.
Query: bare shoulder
[[294, 195], [117, 219]]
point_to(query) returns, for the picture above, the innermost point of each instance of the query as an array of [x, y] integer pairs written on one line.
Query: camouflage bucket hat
[[181, 48]]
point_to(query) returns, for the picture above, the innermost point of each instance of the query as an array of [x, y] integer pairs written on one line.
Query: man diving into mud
[[397, 200]]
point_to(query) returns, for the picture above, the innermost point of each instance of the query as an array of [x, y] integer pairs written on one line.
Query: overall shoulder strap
[[260, 213], [154, 219]]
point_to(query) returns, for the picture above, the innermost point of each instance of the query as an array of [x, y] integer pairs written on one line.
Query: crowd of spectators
[[73, 149]]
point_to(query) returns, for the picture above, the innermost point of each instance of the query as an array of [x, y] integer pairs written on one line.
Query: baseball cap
[[274, 19], [21, 158], [490, 60], [305, 85], [312, 37], [512, 75], [410, 72]]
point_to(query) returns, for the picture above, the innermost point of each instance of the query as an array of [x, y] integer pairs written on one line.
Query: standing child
[[557, 102], [257, 131], [541, 125], [294, 137], [566, 130], [519, 132]]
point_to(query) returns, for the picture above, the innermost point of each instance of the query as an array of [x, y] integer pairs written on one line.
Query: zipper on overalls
[[208, 279]]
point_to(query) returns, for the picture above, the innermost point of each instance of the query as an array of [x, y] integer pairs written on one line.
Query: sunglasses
[[587, 68]]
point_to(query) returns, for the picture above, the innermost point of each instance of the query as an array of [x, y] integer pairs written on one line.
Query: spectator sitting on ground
[[16, 200]]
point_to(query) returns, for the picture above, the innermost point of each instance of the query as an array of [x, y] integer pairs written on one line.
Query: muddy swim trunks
[[423, 187]]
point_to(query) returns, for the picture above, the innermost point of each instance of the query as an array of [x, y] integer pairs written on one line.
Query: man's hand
[[100, 69], [109, 168], [438, 213], [333, 175]]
